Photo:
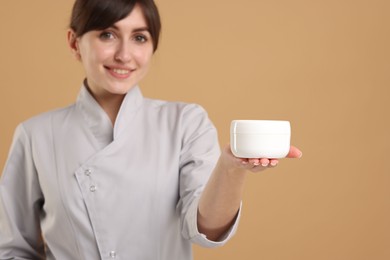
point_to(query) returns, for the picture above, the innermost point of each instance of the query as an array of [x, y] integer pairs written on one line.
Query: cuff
[[192, 233]]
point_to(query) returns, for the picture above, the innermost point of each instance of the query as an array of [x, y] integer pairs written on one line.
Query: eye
[[140, 38], [106, 35]]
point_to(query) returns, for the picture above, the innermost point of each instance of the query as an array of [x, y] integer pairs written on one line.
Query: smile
[[119, 73]]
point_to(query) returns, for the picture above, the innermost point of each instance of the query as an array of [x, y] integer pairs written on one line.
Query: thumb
[[294, 152]]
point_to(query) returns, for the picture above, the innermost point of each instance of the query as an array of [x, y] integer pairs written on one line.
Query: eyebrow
[[140, 29]]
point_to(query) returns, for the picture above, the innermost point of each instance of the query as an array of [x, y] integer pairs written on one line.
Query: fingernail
[[274, 163], [264, 164], [256, 164], [300, 155]]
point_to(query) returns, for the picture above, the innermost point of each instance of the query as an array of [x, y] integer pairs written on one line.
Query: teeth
[[122, 72]]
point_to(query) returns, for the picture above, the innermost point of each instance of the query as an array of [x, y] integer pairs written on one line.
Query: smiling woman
[[117, 175], [116, 49], [114, 59]]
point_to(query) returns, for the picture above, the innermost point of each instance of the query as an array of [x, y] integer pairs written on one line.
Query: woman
[[117, 175]]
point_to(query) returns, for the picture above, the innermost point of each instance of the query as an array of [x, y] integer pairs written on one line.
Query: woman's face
[[117, 58]]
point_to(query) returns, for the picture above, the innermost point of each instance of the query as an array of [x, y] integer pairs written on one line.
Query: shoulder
[[176, 107], [43, 122], [36, 128], [187, 118]]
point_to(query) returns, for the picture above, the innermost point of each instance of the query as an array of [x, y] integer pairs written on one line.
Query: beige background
[[322, 64]]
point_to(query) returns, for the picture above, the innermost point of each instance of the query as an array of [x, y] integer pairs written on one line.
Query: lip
[[113, 72]]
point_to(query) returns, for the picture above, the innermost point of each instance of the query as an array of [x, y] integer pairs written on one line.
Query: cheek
[[143, 57], [101, 55], [95, 54]]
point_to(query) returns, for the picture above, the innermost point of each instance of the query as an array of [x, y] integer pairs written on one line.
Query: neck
[[110, 103]]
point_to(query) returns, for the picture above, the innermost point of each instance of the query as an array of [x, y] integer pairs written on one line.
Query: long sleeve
[[200, 152], [21, 203]]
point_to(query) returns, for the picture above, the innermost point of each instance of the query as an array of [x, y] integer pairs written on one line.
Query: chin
[[120, 90]]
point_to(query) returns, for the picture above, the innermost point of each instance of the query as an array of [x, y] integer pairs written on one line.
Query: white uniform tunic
[[100, 192]]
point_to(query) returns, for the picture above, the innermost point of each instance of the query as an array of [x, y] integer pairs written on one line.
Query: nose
[[123, 52]]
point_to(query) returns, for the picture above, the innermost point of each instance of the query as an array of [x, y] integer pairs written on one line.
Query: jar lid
[[260, 127]]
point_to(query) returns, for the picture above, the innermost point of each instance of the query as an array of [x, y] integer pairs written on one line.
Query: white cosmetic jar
[[260, 138]]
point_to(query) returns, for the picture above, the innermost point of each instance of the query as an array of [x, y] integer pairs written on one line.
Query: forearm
[[220, 200]]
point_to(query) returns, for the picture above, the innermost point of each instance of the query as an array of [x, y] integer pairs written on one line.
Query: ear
[[73, 43]]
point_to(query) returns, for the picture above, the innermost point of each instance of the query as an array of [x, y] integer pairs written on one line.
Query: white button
[[92, 188], [87, 172], [113, 254]]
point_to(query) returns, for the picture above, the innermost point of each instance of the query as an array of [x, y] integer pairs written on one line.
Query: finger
[[264, 162], [273, 162], [242, 161], [294, 153], [254, 161]]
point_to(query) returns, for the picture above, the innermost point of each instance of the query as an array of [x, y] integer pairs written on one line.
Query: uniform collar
[[99, 122]]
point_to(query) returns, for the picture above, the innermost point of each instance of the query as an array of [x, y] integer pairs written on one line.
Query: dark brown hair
[[89, 15]]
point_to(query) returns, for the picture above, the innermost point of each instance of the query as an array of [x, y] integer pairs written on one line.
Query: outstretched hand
[[254, 164]]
